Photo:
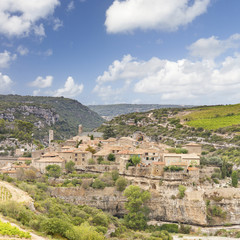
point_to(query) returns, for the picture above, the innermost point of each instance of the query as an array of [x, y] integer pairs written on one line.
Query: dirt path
[[17, 194]]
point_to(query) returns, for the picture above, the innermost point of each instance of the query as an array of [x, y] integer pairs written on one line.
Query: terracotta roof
[[50, 154]]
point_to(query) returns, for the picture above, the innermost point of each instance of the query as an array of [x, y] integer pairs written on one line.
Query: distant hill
[[110, 111], [60, 114]]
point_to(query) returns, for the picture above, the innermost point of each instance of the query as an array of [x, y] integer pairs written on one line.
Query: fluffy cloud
[[128, 15], [41, 82], [212, 47], [71, 89], [19, 18], [5, 83], [171, 81], [22, 50], [5, 59]]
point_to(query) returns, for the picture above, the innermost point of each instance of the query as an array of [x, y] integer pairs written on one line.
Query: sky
[[122, 51]]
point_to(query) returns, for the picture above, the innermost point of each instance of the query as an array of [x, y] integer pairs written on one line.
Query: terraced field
[[213, 117]]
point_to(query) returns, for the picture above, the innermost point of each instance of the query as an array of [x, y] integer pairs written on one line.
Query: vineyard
[[212, 118], [5, 194], [6, 229]]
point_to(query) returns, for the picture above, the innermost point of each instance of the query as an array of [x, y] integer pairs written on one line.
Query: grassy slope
[[214, 117]]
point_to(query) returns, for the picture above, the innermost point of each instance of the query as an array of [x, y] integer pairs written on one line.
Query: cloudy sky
[[122, 51]]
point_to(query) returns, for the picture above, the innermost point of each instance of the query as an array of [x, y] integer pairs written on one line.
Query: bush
[[185, 229], [234, 178], [91, 161], [111, 157], [172, 228], [181, 190], [164, 235], [98, 184], [121, 184], [84, 232], [115, 175], [56, 226], [100, 219]]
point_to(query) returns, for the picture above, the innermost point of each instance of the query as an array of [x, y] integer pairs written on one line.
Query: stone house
[[189, 159], [194, 148], [158, 168]]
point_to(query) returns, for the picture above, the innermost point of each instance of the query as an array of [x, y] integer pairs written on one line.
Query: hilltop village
[[90, 152]]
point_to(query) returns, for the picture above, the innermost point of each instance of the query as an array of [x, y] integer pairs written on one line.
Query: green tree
[[53, 170], [111, 157], [137, 210], [100, 159], [115, 175], [90, 149], [70, 166], [234, 177], [108, 132], [121, 184], [224, 169], [135, 160]]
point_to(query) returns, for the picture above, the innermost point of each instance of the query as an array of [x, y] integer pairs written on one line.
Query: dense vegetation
[[62, 220], [67, 114]]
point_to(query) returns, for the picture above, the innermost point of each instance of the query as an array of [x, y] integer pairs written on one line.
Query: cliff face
[[165, 204]]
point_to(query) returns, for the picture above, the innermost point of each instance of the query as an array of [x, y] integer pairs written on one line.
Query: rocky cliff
[[200, 206]]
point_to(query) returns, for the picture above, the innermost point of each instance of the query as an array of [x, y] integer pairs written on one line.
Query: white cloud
[[22, 50], [128, 15], [57, 23], [70, 89], [5, 83], [183, 80], [19, 18], [41, 82], [70, 6], [5, 59], [210, 48]]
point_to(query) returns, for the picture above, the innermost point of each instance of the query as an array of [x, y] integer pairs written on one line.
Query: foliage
[[111, 157], [164, 235], [181, 190], [90, 149], [53, 170], [6, 229], [137, 211], [91, 161], [98, 184], [100, 159], [177, 150], [115, 175], [108, 132], [173, 169], [84, 232], [185, 229], [121, 184], [234, 178], [69, 166]]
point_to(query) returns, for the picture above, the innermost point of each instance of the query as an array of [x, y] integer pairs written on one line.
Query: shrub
[[84, 232], [91, 161], [111, 157], [181, 190], [98, 184], [172, 228], [121, 184], [100, 219], [164, 235], [100, 159], [185, 229], [234, 178], [115, 175]]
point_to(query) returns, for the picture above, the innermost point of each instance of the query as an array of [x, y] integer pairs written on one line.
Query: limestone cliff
[[165, 204]]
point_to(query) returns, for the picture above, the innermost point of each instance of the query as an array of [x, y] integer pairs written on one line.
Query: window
[[75, 159], [75, 154]]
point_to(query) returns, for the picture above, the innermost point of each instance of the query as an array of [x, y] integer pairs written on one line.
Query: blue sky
[[128, 51]]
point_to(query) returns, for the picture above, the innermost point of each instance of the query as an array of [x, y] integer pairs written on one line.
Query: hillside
[[110, 111], [215, 127], [60, 114]]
